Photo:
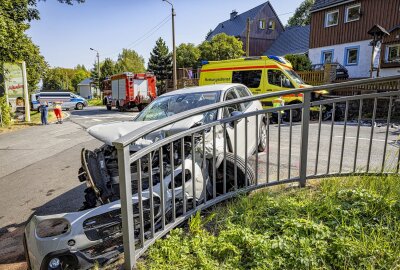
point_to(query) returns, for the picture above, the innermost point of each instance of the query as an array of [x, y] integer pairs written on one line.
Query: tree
[[187, 55], [58, 79], [80, 67], [300, 62], [160, 63], [129, 60], [302, 14], [15, 45], [79, 76], [107, 68], [94, 75], [221, 47]]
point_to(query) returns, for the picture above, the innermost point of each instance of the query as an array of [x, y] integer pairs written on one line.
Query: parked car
[[94, 234], [69, 100], [341, 71]]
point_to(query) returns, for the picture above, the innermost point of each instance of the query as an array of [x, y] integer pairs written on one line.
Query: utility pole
[[174, 77], [98, 67], [248, 37]]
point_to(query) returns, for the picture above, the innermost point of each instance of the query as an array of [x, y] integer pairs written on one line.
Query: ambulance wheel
[[296, 115]]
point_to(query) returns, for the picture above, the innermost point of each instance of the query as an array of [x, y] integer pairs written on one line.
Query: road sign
[[14, 82]]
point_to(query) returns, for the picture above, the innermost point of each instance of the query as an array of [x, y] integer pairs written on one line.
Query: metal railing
[[200, 167]]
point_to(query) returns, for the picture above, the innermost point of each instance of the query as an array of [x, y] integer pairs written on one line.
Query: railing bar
[[193, 172], [214, 163], [203, 135], [267, 163], [344, 135], [358, 134], [389, 115], [140, 201], [161, 166], [257, 133], [245, 152], [372, 132], [183, 175], [235, 154], [279, 148], [318, 140], [150, 169], [290, 142], [172, 157], [224, 184], [331, 137]]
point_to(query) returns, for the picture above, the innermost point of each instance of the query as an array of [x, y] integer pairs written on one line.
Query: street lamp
[[98, 66], [173, 45]]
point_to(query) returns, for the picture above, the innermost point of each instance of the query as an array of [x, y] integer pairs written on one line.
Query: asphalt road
[[39, 165]]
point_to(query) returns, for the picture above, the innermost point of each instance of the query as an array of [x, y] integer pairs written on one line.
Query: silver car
[[77, 240]]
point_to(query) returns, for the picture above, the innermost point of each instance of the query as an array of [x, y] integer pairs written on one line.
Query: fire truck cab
[[130, 90]]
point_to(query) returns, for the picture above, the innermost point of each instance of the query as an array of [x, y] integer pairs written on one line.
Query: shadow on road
[[11, 236], [98, 111]]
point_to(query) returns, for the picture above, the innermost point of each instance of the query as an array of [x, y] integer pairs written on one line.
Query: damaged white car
[[93, 234]]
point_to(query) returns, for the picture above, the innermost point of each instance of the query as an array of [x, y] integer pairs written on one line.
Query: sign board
[[14, 82]]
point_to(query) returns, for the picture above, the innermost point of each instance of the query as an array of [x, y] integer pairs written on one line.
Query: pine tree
[[160, 63]]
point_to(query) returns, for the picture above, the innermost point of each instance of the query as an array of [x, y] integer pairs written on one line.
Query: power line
[[152, 30]]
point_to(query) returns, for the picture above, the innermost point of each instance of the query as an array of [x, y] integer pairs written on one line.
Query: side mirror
[[233, 114], [286, 83]]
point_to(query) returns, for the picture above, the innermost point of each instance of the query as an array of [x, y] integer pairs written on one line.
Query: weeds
[[349, 223]]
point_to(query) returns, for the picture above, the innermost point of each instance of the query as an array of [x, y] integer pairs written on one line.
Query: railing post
[[305, 122], [125, 186]]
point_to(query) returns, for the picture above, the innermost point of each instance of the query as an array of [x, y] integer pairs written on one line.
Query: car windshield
[[166, 106], [294, 76]]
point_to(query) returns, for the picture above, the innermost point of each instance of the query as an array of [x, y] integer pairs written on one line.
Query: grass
[[95, 102], [35, 120], [341, 223]]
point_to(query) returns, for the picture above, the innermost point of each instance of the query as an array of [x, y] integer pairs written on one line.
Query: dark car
[[341, 71]]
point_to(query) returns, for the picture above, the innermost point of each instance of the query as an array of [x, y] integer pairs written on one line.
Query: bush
[[300, 62], [5, 111]]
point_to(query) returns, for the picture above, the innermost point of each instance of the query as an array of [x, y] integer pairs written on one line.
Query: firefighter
[[276, 103]]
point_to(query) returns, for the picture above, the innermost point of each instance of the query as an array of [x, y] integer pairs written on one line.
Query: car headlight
[[52, 227]]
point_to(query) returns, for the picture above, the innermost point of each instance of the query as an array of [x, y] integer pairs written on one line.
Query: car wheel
[[230, 174], [141, 107], [79, 106], [262, 145]]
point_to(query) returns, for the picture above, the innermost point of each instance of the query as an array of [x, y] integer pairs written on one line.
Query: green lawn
[[342, 223], [95, 102]]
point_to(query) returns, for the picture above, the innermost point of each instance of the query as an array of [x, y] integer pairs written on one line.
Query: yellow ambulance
[[261, 75]]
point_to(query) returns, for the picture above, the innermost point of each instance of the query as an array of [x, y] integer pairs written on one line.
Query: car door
[[251, 121], [240, 124]]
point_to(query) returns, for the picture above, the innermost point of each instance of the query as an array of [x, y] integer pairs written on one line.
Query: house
[[87, 90], [390, 53], [339, 32], [265, 27], [294, 40]]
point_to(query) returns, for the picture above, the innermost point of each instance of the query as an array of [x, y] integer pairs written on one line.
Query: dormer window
[[331, 18], [261, 24], [353, 13], [271, 25]]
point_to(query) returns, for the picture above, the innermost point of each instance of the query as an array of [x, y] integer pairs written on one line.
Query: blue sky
[[65, 33]]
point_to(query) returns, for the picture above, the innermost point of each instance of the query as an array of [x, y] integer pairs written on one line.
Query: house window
[[261, 24], [353, 13], [327, 57], [393, 54], [271, 25], [331, 18], [351, 56]]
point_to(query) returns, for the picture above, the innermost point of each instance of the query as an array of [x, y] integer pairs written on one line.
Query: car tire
[[262, 145], [296, 115], [79, 106], [141, 107], [230, 167]]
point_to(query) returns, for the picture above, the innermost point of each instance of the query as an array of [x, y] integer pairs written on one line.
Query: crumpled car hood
[[108, 133]]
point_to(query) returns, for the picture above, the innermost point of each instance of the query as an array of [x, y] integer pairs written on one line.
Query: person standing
[[44, 111], [58, 112]]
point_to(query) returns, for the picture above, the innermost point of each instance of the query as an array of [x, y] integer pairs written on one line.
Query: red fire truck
[[130, 90]]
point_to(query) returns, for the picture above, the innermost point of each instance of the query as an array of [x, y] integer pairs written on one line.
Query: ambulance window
[[278, 78], [250, 78], [231, 94]]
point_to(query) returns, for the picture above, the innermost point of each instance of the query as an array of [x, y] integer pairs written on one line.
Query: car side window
[[243, 92], [278, 78], [230, 95]]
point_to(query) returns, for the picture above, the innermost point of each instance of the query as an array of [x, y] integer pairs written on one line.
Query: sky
[[66, 33]]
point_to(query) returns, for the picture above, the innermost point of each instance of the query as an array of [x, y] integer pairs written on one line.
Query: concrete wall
[[360, 70], [85, 91]]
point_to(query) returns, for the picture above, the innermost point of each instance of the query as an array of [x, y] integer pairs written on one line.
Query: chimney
[[233, 15]]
